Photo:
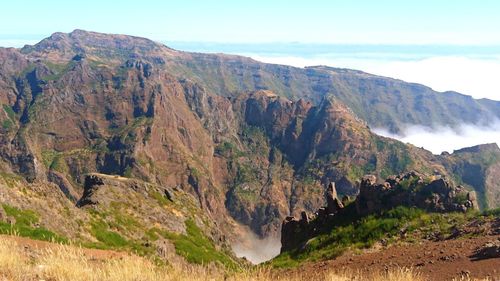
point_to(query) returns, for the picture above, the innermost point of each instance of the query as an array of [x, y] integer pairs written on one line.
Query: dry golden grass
[[61, 262]]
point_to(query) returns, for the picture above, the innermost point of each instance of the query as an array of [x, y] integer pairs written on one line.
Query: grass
[[25, 225], [54, 160], [160, 198], [63, 262], [58, 70], [196, 248], [10, 179], [109, 239], [10, 112], [7, 124]]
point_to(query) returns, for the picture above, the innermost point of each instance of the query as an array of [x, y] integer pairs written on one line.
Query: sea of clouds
[[473, 75], [446, 139]]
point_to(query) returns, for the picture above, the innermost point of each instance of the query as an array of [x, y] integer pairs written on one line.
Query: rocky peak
[[64, 46]]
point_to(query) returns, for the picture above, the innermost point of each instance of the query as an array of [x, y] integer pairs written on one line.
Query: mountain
[[252, 142]]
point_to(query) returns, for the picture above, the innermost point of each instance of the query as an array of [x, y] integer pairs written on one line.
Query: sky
[[321, 21]]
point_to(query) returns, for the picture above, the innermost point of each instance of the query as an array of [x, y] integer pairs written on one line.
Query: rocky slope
[[252, 142]]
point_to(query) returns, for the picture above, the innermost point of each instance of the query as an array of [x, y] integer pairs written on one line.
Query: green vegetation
[[7, 124], [256, 140], [58, 70], [195, 246], [357, 233], [54, 160], [10, 179], [25, 225], [228, 150], [108, 228], [245, 173], [461, 198], [111, 239], [10, 112], [160, 198], [356, 172], [407, 183], [127, 172]]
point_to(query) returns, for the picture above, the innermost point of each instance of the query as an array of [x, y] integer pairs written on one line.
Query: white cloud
[[256, 249], [474, 76], [442, 139]]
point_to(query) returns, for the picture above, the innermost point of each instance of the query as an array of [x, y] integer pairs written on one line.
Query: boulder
[[369, 180], [488, 251]]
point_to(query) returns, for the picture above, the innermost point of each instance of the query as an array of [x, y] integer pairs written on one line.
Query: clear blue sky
[[322, 21]]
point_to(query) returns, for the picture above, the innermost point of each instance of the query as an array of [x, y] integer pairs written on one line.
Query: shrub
[[24, 225]]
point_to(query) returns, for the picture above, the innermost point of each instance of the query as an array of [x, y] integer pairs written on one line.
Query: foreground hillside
[[24, 259], [115, 213], [454, 259], [27, 260], [409, 220]]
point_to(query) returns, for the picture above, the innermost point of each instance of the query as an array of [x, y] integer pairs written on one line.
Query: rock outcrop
[[90, 187], [294, 232], [432, 193], [413, 189]]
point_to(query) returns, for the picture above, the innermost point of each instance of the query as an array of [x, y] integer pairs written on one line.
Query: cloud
[[473, 75], [447, 139], [256, 249]]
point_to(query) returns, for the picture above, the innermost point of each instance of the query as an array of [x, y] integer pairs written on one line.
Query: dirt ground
[[442, 260]]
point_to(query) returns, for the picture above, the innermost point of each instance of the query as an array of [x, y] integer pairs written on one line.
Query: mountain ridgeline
[[252, 142]]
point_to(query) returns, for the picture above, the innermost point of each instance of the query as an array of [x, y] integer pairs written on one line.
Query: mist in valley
[[441, 138], [256, 249]]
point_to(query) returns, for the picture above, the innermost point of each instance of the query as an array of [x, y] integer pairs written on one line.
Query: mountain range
[[96, 125]]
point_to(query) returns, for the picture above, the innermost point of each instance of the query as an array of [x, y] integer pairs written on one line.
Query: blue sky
[[320, 21]]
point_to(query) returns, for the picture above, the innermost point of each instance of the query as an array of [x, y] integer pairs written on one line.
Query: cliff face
[[252, 142]]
